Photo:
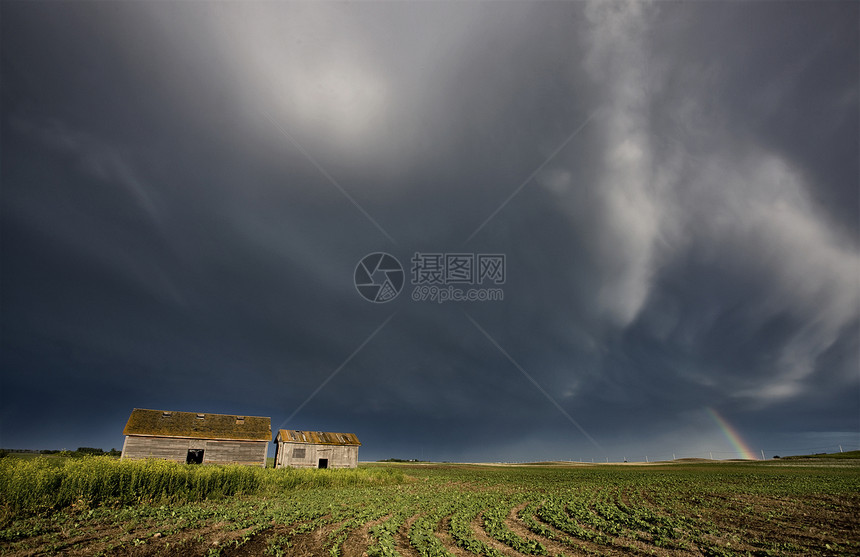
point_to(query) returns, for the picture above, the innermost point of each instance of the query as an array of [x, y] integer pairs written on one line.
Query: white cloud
[[740, 205], [749, 211], [629, 209], [328, 73]]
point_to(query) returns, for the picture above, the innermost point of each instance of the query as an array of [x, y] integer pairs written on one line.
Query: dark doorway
[[323, 463], [195, 456]]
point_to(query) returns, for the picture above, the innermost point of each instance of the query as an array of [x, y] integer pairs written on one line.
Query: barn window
[[195, 456], [298, 453]]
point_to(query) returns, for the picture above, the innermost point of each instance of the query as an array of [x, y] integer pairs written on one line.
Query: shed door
[[323, 463], [195, 456]]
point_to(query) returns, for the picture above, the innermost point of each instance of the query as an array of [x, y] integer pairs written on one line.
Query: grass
[[40, 484]]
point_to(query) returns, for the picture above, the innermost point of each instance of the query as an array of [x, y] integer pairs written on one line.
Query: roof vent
[[165, 414], [201, 416], [240, 420]]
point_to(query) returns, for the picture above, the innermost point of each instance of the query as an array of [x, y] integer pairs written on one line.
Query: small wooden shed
[[315, 449], [197, 438]]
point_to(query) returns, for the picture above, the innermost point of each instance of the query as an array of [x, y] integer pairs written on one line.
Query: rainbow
[[732, 435]]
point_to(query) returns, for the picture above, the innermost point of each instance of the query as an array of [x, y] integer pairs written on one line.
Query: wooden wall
[[252, 453], [339, 456]]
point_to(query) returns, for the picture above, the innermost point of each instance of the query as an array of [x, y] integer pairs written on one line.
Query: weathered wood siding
[[236, 452], [215, 451], [308, 455]]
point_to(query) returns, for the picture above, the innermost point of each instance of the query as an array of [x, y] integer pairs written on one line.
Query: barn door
[[323, 463]]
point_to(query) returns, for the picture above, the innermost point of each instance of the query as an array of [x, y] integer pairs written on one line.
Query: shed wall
[[215, 451], [339, 456]]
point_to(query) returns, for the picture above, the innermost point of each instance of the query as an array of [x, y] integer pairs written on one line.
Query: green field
[[104, 506]]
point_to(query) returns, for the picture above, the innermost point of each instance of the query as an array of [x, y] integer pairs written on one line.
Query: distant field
[[845, 455], [783, 507]]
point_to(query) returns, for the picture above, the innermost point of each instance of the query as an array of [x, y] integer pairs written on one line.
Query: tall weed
[[38, 484]]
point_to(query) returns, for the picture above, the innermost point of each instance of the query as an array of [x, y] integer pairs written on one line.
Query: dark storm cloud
[[169, 239]]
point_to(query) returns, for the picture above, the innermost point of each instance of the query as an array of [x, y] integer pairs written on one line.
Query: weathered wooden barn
[[197, 438], [315, 449]]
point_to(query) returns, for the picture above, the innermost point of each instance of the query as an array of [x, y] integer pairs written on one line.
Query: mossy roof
[[165, 423], [316, 437]]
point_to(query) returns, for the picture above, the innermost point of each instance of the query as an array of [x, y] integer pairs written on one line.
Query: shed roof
[[316, 437], [163, 423]]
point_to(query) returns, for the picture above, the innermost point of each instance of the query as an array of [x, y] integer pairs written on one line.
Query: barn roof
[[198, 426], [316, 437]]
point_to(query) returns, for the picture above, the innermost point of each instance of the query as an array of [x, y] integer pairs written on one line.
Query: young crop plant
[[373, 509], [384, 534], [554, 513], [423, 539], [494, 524], [461, 529]]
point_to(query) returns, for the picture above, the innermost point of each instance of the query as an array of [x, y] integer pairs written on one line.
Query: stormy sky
[[187, 189]]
